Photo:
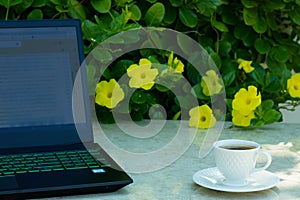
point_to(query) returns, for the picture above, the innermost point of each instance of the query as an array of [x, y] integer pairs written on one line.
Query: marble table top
[[163, 156]]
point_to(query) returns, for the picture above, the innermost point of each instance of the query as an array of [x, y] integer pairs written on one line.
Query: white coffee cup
[[236, 160]]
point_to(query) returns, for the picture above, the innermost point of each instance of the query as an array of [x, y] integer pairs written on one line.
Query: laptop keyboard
[[50, 161]]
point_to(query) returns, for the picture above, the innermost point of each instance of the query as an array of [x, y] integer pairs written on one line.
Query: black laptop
[[41, 152]]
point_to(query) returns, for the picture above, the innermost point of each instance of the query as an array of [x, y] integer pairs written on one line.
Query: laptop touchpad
[[8, 182]]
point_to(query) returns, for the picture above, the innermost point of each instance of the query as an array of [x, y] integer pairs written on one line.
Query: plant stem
[[7, 11]]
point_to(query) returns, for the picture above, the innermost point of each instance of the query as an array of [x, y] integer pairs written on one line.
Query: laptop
[[42, 153]]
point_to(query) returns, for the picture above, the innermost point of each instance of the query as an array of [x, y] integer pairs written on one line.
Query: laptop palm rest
[[8, 183]]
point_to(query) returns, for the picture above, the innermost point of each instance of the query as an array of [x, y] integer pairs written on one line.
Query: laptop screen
[[39, 61]]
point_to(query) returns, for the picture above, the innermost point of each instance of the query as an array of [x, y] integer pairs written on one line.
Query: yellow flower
[[293, 85], [245, 65], [175, 63], [109, 94], [202, 117], [179, 65], [210, 83], [142, 76], [239, 119], [246, 101]]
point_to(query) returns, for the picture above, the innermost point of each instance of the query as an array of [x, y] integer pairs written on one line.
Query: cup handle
[[269, 160]]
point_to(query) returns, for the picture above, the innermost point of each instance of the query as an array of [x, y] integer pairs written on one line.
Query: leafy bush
[[263, 33]]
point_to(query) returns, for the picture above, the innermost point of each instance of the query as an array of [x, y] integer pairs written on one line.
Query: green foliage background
[[264, 31]]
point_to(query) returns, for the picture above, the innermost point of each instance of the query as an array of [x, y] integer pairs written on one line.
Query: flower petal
[[246, 101], [238, 119], [293, 85], [202, 117], [109, 94], [210, 83], [142, 76], [245, 65]]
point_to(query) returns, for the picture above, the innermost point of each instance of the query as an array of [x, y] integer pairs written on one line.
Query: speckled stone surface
[[174, 158]]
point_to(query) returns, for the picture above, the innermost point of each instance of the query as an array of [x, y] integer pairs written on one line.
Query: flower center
[[109, 95], [202, 118], [296, 87], [143, 75], [248, 101]]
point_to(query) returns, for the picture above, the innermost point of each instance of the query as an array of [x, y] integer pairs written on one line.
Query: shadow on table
[[203, 193]]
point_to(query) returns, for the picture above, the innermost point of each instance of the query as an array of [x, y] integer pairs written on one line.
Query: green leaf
[[262, 46], [35, 14], [184, 43], [128, 38], [89, 29], [138, 97], [249, 3], [229, 78], [272, 85], [104, 114], [9, 3], [267, 104], [259, 123], [243, 53], [192, 74], [170, 15], [229, 17], [274, 5], [60, 8], [20, 8], [161, 88], [209, 3], [229, 37], [296, 60], [59, 2], [38, 3], [295, 15], [155, 14], [119, 69], [92, 79], [176, 116], [102, 6], [219, 25], [176, 3], [261, 26], [225, 47], [151, 99], [154, 59], [249, 40], [188, 17], [205, 41], [102, 55], [271, 116], [197, 91], [241, 31], [156, 39], [284, 76], [228, 65], [280, 54], [135, 12], [76, 10], [229, 104], [271, 20], [217, 59], [258, 74], [250, 16]]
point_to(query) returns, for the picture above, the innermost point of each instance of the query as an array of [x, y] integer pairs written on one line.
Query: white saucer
[[211, 178]]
